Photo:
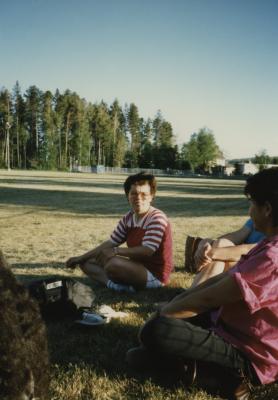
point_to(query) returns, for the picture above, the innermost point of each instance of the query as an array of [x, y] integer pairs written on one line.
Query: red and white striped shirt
[[153, 231]]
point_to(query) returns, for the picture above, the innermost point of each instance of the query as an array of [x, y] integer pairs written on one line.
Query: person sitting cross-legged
[[225, 327], [147, 261]]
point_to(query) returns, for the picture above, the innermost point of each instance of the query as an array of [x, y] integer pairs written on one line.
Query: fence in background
[[101, 169]]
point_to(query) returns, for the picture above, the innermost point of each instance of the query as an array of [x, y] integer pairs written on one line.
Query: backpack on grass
[[60, 297]]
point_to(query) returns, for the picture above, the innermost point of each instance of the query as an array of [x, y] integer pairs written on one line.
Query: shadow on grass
[[213, 188], [108, 204], [103, 348], [71, 182], [143, 301], [203, 189]]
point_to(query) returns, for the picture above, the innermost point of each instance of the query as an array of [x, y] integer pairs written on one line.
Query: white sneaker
[[92, 319]]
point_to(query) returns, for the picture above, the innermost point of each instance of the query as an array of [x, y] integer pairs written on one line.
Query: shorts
[[152, 281]]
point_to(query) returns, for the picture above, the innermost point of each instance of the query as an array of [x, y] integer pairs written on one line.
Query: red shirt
[[251, 324], [153, 231]]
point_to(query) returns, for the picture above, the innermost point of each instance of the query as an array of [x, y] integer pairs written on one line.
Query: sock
[[118, 287]]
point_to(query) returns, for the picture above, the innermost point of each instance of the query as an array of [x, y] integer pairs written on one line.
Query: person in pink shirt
[[226, 329]]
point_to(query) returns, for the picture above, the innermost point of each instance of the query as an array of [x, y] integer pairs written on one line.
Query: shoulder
[[271, 248], [262, 259], [249, 224], [157, 215], [127, 217], [157, 212]]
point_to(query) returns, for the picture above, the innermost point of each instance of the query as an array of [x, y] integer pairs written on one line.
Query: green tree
[[146, 158], [18, 128], [5, 126], [80, 140], [49, 148], [201, 151], [134, 129], [162, 131], [33, 121], [262, 159], [101, 133], [119, 142], [165, 157]]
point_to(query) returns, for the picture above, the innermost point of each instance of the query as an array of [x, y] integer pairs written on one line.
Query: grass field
[[47, 217]]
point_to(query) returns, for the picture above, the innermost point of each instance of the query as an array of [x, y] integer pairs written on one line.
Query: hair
[[140, 179], [24, 363], [263, 187]]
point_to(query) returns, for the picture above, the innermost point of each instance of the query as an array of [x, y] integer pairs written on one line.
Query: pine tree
[[49, 147], [134, 124], [5, 126], [33, 121], [119, 142]]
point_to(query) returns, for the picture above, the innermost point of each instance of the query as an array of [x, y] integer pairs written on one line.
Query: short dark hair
[[140, 179], [263, 187]]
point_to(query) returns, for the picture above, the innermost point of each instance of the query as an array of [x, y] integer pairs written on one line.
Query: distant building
[[243, 167]]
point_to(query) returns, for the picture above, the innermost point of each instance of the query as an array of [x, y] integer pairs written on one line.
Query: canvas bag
[[60, 297]]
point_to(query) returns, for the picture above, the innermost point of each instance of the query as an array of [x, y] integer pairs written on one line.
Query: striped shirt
[[153, 231]]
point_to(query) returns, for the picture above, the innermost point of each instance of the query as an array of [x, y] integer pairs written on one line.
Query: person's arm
[[199, 253], [237, 237], [94, 253], [201, 286], [134, 253], [213, 293], [232, 253]]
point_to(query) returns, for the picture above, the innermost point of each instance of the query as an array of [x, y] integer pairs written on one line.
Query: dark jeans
[[190, 339]]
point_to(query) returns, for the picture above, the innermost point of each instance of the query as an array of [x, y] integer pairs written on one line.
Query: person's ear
[[268, 209]]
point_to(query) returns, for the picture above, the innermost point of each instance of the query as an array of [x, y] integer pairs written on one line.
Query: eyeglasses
[[140, 194]]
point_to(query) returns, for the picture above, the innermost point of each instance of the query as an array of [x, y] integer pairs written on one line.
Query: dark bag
[[61, 297], [191, 245]]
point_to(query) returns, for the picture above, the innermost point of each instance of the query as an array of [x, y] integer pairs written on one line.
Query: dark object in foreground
[[23, 346], [191, 245], [60, 297], [212, 378]]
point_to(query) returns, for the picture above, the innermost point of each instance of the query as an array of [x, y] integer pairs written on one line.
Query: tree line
[[45, 130]]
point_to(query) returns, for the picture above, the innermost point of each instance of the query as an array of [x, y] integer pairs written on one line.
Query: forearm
[[221, 292], [137, 253], [93, 253], [190, 305], [237, 237], [197, 289], [232, 253]]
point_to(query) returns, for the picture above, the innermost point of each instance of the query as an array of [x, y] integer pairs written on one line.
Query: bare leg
[[119, 270], [126, 271], [95, 272], [214, 268]]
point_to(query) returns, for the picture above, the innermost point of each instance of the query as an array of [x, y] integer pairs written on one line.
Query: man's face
[[140, 198], [258, 215]]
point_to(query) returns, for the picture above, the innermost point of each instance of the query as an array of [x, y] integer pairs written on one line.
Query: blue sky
[[203, 63]]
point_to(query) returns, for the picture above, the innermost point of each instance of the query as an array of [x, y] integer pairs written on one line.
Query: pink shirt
[[251, 324]]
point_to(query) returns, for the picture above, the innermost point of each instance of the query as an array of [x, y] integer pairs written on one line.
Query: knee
[[84, 267], [112, 269], [222, 242], [149, 333]]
